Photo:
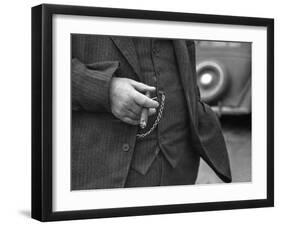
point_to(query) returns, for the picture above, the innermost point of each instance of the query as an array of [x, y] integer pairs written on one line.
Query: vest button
[[125, 147]]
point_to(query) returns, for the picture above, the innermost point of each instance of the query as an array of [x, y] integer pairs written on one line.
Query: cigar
[[144, 114]]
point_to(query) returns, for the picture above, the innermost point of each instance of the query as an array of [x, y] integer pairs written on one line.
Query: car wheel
[[212, 80]]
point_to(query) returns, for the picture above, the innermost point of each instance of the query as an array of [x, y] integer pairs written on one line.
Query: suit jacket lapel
[[186, 74], [127, 48]]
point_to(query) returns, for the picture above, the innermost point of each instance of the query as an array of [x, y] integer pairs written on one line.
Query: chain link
[[157, 120]]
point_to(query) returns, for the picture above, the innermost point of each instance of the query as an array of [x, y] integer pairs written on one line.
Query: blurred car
[[224, 76]]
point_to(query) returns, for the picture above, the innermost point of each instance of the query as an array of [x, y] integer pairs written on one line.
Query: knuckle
[[128, 101], [129, 114], [123, 105], [119, 112], [127, 96], [115, 111]]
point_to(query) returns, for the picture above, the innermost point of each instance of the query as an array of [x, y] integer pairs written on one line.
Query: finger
[[130, 121], [135, 108], [151, 111], [141, 87], [131, 115], [145, 101]]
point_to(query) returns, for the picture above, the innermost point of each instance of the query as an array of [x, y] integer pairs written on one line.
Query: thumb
[[141, 87]]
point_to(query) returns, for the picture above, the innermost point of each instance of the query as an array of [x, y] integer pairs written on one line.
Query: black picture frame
[[42, 107]]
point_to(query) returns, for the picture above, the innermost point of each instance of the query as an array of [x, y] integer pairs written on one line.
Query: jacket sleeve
[[90, 85]]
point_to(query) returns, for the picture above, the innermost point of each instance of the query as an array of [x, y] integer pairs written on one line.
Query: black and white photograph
[[139, 112], [155, 112]]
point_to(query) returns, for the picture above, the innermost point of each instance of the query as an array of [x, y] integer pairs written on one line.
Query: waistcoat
[[158, 68]]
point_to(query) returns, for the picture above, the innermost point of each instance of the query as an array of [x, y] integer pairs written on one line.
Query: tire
[[212, 80]]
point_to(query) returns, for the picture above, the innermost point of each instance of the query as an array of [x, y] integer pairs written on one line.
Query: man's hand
[[127, 99]]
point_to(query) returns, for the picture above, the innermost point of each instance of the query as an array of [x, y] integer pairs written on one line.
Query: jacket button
[[155, 51], [125, 147]]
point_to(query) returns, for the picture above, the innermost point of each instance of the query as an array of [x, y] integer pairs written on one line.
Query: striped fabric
[[102, 147], [158, 68]]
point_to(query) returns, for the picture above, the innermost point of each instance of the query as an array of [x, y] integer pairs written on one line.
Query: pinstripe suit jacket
[[102, 145]]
